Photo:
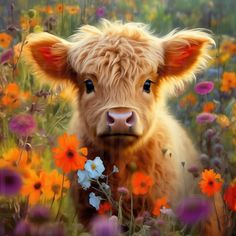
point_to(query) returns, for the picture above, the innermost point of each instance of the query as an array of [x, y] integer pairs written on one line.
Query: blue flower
[[94, 200], [94, 168], [84, 179]]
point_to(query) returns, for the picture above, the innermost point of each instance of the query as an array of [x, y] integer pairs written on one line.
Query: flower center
[[210, 182], [9, 180], [70, 154], [37, 185], [143, 184], [93, 166]]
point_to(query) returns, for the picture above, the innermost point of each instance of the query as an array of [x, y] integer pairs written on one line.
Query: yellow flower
[[73, 10], [234, 110], [223, 120], [53, 186], [33, 187]]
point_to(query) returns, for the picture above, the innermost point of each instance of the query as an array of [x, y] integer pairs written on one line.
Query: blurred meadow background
[[35, 189]]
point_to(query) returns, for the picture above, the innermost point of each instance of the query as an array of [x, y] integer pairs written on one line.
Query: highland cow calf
[[123, 76]]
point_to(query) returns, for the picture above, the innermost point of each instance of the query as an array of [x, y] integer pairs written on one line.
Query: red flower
[[141, 183], [210, 183], [104, 208], [67, 155], [230, 196]]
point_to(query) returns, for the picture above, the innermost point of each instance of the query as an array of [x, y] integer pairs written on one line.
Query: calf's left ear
[[185, 53], [47, 56]]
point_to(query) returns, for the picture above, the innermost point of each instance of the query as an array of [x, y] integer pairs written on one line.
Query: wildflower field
[[40, 161]]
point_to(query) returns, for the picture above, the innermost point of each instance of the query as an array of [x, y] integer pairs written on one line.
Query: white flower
[[94, 200], [83, 179], [94, 168]]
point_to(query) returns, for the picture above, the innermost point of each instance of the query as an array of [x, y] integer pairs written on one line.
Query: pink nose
[[120, 120]]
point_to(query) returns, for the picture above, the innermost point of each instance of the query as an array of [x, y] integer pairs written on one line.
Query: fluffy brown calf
[[123, 76]]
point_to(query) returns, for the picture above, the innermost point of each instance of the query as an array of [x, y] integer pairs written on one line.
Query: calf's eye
[[89, 86], [147, 86]]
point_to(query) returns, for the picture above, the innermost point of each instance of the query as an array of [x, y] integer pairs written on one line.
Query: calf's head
[[121, 72]]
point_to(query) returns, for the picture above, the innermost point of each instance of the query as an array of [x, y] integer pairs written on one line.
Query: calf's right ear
[[47, 56]]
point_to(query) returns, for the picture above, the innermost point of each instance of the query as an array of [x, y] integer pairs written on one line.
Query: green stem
[[53, 199], [120, 210], [61, 197], [217, 216], [131, 214]]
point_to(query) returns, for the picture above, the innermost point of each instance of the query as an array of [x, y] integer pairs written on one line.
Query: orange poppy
[[59, 8], [5, 40], [17, 159], [11, 96], [230, 196], [188, 100], [67, 155], [141, 183], [210, 182], [53, 186], [209, 107], [72, 10], [223, 120], [104, 208], [159, 203], [46, 9], [33, 187], [228, 81]]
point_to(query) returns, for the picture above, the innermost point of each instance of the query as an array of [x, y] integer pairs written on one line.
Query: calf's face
[[122, 75]]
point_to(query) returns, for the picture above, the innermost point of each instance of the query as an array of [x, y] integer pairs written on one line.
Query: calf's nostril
[[110, 119], [130, 121]]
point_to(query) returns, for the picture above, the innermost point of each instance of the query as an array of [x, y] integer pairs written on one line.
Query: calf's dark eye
[[89, 86], [147, 86]]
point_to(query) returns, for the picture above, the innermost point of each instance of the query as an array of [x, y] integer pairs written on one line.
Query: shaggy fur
[[119, 58]]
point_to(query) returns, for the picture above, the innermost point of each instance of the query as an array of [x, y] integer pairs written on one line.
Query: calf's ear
[[47, 56], [185, 53]]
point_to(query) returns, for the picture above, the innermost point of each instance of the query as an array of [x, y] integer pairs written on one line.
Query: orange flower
[[208, 107], [5, 40], [230, 196], [228, 81], [46, 9], [67, 155], [159, 203], [188, 100], [210, 182], [104, 208], [33, 187], [11, 96], [17, 159], [53, 186], [59, 8], [141, 183], [72, 10]]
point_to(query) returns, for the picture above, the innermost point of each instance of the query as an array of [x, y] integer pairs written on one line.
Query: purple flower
[[205, 117], [23, 125], [193, 209], [10, 182], [123, 190], [49, 229], [101, 11], [6, 56], [194, 171], [204, 87], [22, 229], [102, 226], [39, 214]]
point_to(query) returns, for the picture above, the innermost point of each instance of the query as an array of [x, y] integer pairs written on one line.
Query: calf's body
[[122, 76]]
